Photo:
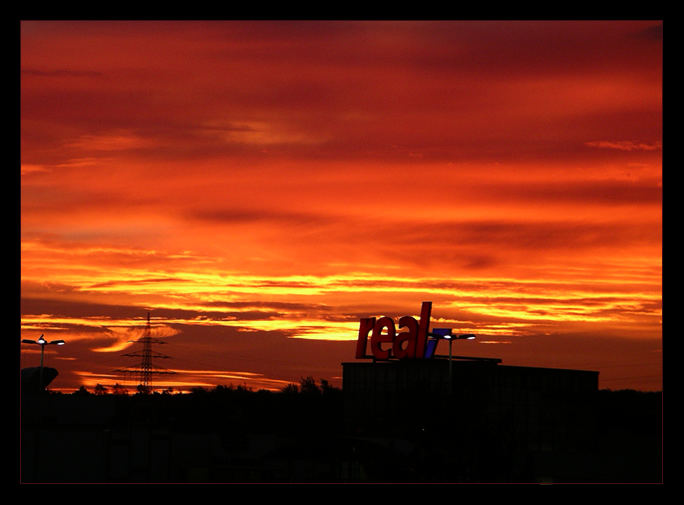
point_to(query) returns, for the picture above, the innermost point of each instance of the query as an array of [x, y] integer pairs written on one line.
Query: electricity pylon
[[146, 369]]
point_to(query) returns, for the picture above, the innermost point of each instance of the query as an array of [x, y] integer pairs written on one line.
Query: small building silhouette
[[31, 379]]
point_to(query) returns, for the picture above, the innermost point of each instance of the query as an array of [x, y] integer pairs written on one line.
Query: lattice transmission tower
[[146, 369]]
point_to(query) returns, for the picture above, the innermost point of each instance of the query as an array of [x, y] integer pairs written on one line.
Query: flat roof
[[461, 362]]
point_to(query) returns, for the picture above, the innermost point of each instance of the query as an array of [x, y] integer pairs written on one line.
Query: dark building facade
[[498, 422]]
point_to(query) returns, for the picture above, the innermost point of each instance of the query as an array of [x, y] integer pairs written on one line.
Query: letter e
[[378, 338]]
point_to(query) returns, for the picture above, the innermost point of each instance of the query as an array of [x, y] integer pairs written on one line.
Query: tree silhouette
[[290, 389], [118, 389], [307, 385], [82, 391]]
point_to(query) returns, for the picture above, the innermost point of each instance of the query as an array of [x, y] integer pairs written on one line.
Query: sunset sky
[[261, 186]]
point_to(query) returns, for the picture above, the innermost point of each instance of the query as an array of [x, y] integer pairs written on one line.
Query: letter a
[[409, 337]]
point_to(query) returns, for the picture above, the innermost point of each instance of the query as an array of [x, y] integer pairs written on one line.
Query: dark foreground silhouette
[[233, 434]]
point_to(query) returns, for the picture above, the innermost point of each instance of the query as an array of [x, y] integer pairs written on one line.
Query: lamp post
[[445, 333], [42, 343]]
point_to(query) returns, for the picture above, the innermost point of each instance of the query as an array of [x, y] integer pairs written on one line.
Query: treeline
[[306, 386], [307, 407]]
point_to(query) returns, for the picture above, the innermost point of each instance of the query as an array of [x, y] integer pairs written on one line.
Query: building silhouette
[[495, 422]]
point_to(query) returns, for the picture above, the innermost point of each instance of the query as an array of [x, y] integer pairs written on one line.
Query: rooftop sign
[[411, 344]]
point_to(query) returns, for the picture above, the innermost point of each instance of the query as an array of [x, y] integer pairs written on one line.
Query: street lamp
[[42, 343], [445, 333]]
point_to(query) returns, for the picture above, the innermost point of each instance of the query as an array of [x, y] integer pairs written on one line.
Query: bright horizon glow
[[261, 186]]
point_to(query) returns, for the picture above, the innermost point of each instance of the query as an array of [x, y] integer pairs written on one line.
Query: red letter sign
[[423, 329], [406, 344], [410, 336], [365, 327], [378, 338]]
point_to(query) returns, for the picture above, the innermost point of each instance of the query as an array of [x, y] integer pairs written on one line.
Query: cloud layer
[[259, 184]]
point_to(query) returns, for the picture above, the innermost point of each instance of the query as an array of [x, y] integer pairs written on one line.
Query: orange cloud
[[260, 186], [626, 145]]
